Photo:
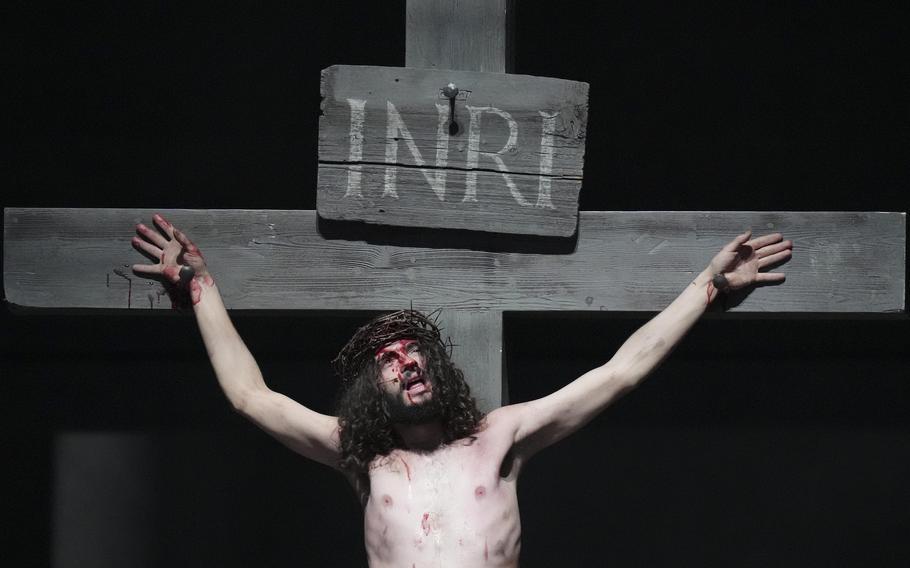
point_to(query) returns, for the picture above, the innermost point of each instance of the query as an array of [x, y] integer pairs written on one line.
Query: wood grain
[[477, 351], [844, 262], [471, 35], [537, 177], [418, 206]]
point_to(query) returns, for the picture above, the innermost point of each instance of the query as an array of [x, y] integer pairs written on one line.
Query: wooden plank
[[471, 35], [468, 35], [386, 154], [477, 351], [844, 262]]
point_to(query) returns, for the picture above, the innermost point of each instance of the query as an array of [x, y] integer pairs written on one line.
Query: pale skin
[[430, 503]]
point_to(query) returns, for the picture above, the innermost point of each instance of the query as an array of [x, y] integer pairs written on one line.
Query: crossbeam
[[844, 262]]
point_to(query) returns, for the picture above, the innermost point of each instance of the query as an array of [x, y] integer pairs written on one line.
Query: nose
[[408, 363]]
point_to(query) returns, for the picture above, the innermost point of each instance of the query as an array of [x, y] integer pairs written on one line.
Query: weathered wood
[[515, 164], [847, 262], [477, 351], [472, 35]]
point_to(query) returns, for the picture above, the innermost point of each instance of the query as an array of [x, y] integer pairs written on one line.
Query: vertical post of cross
[[467, 35]]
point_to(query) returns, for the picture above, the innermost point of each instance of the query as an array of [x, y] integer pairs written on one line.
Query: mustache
[[418, 373]]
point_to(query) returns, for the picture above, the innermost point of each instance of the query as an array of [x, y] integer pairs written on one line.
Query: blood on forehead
[[399, 345]]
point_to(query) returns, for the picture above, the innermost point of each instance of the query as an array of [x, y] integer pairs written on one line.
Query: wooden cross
[[845, 263]]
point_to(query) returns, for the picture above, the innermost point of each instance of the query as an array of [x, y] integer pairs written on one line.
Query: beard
[[412, 414]]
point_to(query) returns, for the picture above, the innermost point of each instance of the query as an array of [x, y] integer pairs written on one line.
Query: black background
[[773, 441]]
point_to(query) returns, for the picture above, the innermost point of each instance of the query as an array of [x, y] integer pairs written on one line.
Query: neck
[[422, 437]]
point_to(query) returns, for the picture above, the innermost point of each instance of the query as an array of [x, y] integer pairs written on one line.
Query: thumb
[[733, 245]]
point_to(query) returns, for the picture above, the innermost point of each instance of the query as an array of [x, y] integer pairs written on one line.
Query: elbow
[[241, 402], [628, 380], [243, 391], [624, 372], [627, 384], [623, 378]]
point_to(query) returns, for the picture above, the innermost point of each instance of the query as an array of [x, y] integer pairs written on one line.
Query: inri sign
[[451, 149]]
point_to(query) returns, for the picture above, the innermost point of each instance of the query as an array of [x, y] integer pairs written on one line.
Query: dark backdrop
[[760, 442]]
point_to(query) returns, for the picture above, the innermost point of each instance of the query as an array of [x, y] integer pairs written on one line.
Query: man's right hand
[[175, 253]]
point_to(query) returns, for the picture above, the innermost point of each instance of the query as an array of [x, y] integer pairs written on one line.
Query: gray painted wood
[[469, 35], [844, 262], [473, 35], [369, 172], [477, 351]]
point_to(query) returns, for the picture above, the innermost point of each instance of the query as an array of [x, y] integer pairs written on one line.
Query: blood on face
[[397, 358]]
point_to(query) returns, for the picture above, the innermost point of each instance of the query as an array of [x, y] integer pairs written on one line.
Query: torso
[[454, 506]]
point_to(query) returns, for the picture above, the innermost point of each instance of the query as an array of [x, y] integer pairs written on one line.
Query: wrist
[[199, 284], [704, 277], [705, 283]]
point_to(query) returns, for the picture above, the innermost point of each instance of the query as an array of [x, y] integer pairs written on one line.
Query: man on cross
[[436, 478]]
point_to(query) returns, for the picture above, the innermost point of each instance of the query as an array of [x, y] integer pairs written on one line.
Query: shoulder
[[504, 421], [505, 415]]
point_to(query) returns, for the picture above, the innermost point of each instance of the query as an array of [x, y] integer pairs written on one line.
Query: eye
[[414, 348]]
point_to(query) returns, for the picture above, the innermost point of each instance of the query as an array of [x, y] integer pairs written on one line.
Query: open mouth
[[416, 385]]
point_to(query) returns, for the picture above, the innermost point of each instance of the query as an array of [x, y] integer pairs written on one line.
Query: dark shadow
[[445, 238], [755, 430], [733, 298]]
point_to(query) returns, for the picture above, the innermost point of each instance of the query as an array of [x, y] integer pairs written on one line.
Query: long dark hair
[[363, 415]]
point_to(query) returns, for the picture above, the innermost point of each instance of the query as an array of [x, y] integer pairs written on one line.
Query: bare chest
[[447, 507]]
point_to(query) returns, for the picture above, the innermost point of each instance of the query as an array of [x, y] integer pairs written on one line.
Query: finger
[[147, 247], [775, 248], [733, 245], [163, 224], [192, 255], [154, 236], [770, 277], [765, 240], [184, 240], [774, 258], [147, 268]]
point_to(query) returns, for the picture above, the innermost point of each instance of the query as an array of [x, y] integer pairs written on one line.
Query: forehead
[[398, 345]]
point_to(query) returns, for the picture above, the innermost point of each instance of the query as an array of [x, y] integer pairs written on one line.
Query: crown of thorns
[[403, 324]]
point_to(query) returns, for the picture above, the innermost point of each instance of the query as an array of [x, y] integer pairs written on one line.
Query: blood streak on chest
[[407, 469], [425, 524]]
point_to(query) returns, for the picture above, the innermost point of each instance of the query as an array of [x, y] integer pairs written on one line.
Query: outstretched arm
[[544, 421], [307, 432]]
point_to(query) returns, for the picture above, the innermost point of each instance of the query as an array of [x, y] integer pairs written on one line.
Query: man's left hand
[[743, 258]]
